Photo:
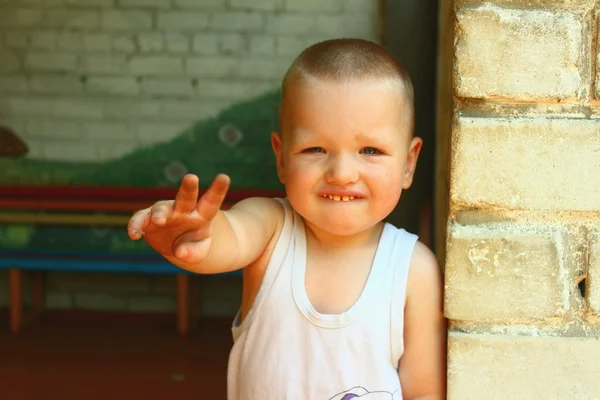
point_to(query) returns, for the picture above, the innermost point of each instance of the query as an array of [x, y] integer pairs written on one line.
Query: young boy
[[336, 304]]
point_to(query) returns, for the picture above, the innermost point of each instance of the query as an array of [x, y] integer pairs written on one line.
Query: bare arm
[[422, 367], [196, 235]]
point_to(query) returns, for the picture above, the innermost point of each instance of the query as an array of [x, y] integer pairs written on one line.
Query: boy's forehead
[[360, 102]]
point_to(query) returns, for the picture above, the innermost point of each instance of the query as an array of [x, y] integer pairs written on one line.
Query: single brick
[[314, 6], [237, 21], [51, 61], [43, 40], [53, 129], [226, 89], [177, 42], [526, 163], [264, 68], [495, 367], [145, 3], [73, 19], [104, 64], [232, 44], [361, 6], [182, 21], [257, 5], [214, 67], [17, 105], [206, 43], [97, 42], [126, 20], [592, 284], [156, 65], [69, 41], [150, 42], [107, 131], [100, 301], [17, 39], [290, 24], [74, 151], [20, 17], [203, 5], [10, 61], [502, 272], [261, 45], [13, 83], [89, 3], [112, 85], [519, 54], [55, 83], [124, 43], [116, 109], [352, 25], [77, 108], [168, 86], [289, 45]]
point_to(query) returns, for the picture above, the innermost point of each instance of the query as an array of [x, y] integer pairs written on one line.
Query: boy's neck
[[326, 240]]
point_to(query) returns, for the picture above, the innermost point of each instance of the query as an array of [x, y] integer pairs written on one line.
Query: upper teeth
[[338, 198]]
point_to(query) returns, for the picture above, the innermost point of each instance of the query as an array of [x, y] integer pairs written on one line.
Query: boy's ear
[[411, 161], [278, 150]]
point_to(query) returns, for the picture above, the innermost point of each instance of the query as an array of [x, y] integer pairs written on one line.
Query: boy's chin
[[343, 226]]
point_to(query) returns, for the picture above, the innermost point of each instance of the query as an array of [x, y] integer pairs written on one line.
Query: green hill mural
[[236, 142]]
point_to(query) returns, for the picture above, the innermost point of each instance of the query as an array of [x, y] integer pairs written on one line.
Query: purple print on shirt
[[361, 393]]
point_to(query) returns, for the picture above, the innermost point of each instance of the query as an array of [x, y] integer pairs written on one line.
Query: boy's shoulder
[[424, 274]]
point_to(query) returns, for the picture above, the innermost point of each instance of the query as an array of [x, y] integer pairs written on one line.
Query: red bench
[[87, 206]]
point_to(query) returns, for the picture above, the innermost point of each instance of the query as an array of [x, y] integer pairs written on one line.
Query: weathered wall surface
[[523, 246], [89, 80]]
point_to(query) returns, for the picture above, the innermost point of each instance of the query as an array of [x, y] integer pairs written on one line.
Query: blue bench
[[41, 261], [62, 217]]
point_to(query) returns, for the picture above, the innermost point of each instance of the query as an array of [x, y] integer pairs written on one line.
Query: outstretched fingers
[[137, 223], [211, 201], [187, 195]]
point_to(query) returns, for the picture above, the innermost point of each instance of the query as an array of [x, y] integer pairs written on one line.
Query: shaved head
[[349, 61]]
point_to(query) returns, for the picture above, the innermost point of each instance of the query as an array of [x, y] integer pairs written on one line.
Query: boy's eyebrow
[[302, 134], [377, 137]]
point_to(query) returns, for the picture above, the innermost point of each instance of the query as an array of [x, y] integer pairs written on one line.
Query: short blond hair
[[347, 60]]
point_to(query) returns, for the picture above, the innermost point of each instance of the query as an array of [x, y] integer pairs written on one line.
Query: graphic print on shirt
[[361, 393]]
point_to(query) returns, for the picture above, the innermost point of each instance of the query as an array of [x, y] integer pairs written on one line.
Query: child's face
[[345, 153]]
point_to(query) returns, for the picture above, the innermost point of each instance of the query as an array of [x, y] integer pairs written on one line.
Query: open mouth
[[339, 198]]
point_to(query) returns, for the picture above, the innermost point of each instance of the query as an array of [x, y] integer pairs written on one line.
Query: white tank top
[[285, 349]]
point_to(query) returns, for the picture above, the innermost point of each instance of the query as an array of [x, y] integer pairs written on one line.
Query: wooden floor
[[105, 357]]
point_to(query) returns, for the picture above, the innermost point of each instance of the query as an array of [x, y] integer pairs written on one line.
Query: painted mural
[[235, 142]]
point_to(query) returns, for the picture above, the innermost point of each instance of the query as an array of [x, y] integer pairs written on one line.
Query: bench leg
[[183, 304], [38, 292], [16, 299]]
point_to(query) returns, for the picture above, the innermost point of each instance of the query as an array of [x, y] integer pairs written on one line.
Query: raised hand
[[181, 228]]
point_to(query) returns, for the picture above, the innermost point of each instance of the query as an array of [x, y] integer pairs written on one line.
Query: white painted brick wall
[[91, 80]]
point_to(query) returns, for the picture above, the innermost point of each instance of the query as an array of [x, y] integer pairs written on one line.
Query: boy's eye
[[370, 151], [314, 150]]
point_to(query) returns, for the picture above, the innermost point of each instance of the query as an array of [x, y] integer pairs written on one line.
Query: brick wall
[[88, 80], [523, 248]]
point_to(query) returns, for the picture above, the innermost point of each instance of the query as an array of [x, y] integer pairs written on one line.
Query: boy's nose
[[341, 171]]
